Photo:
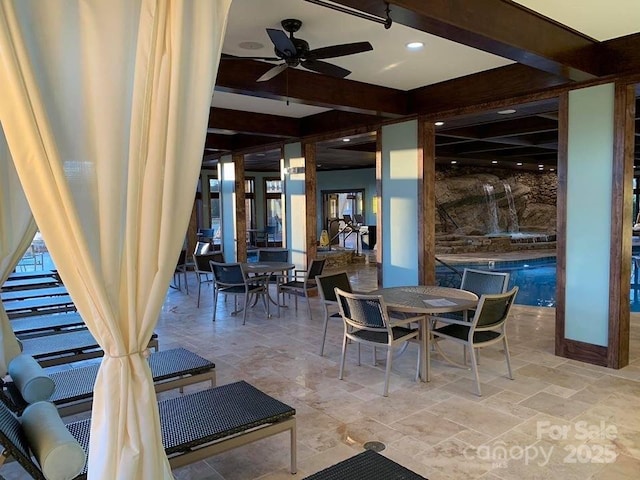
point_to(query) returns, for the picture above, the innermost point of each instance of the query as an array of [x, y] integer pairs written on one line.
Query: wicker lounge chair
[[194, 426], [67, 347], [73, 393], [367, 464], [39, 306], [39, 325]]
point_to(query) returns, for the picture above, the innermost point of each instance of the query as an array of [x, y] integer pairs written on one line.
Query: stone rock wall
[[464, 209]]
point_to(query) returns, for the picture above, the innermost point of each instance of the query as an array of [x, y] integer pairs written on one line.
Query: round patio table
[[268, 268], [427, 300]]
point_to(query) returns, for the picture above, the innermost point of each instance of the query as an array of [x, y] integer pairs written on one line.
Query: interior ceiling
[[461, 61]]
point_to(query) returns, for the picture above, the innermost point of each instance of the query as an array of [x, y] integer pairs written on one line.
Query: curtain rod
[[387, 22]]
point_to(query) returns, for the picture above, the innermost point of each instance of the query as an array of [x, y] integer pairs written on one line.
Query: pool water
[[536, 279]]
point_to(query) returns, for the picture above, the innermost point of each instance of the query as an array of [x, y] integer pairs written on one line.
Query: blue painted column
[[399, 189], [228, 206], [295, 204]]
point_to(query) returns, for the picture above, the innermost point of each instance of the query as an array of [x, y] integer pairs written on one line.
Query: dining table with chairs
[[429, 301]]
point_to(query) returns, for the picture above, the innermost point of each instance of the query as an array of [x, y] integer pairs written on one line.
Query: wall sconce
[[294, 170]]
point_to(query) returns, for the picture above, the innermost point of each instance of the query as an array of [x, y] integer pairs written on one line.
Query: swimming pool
[[536, 279]]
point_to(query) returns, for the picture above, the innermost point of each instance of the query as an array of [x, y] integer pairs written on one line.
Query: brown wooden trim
[[561, 215], [241, 211], [311, 198], [621, 222], [379, 219], [426, 201], [584, 352]]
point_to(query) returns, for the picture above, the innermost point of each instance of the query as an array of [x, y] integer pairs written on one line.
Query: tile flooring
[[558, 419]]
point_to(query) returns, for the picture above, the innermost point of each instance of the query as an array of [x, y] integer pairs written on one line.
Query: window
[[250, 201], [273, 207], [214, 207]]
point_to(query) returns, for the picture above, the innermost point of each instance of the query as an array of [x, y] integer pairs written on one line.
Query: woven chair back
[[315, 268], [328, 283], [227, 273], [482, 282], [362, 311], [493, 310], [273, 255]]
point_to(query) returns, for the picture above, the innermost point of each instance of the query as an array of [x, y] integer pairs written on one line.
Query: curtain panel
[[17, 228], [105, 106]]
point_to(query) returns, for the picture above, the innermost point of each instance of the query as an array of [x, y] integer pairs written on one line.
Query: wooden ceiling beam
[[506, 128], [337, 121], [479, 89], [253, 123], [503, 28], [298, 86]]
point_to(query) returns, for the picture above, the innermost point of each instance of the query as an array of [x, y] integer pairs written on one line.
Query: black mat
[[367, 465]]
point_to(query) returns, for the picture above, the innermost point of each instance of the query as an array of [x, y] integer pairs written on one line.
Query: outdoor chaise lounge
[[367, 464], [67, 347], [194, 426], [39, 306], [174, 368], [40, 325]]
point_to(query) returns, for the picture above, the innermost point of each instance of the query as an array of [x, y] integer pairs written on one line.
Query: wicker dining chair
[[326, 288], [302, 283], [202, 269], [366, 321], [487, 327], [230, 279]]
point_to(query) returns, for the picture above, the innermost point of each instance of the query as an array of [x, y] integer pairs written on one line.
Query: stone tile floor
[[558, 419]]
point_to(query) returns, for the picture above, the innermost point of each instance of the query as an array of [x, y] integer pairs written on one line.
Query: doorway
[[343, 213]]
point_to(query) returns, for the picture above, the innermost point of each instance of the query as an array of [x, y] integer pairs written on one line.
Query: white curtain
[[17, 228], [105, 106]]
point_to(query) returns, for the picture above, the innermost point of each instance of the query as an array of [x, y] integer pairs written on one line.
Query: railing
[[449, 267]]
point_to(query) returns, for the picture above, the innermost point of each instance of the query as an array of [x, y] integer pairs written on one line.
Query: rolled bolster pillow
[[59, 454], [32, 381]]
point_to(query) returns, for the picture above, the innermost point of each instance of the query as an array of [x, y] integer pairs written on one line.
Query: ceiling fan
[[295, 51]]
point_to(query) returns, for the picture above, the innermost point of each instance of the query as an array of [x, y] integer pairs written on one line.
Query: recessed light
[[414, 45], [346, 139], [494, 161], [552, 169], [519, 164], [508, 111], [250, 45], [540, 166], [439, 124], [453, 162]]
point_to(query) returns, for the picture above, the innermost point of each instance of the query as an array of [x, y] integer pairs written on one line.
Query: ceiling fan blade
[[326, 68], [272, 72], [226, 56], [339, 50], [282, 43]]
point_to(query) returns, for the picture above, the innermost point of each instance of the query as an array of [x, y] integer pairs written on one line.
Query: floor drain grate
[[375, 446]]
